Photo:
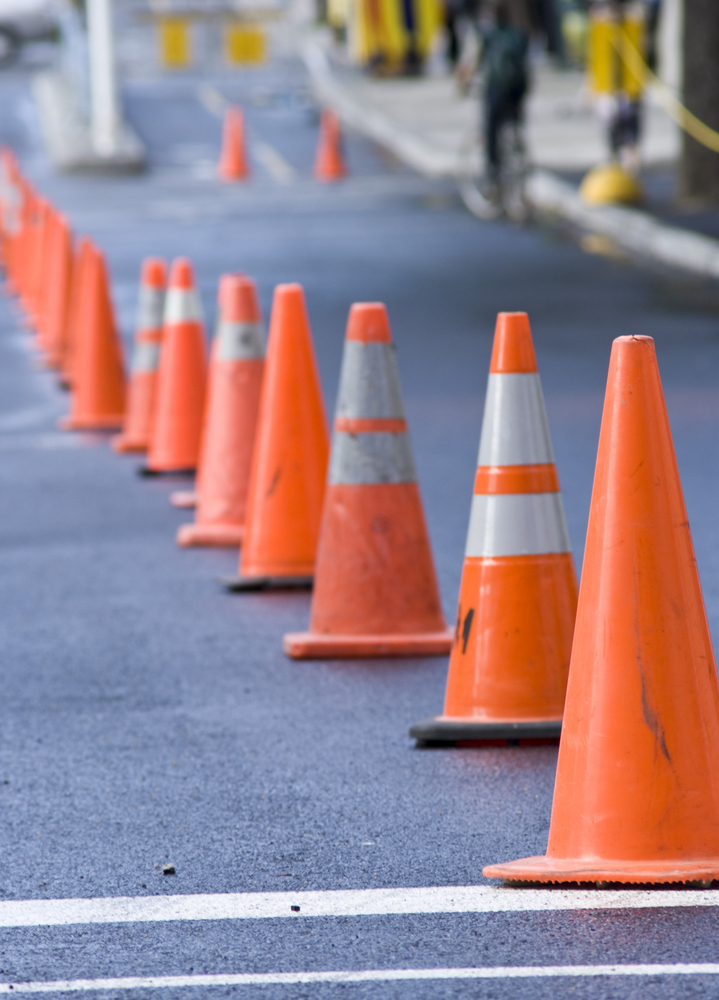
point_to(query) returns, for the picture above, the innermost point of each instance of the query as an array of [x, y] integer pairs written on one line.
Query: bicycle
[[506, 195]]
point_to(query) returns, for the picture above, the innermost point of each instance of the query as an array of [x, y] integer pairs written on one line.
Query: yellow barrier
[[692, 125], [609, 74], [377, 31], [175, 48], [244, 43]]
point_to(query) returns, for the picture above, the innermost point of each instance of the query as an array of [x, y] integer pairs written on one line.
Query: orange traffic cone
[[33, 257], [145, 359], [188, 499], [636, 797], [98, 388], [177, 426], [76, 309], [11, 209], [518, 596], [329, 162], [7, 192], [233, 165], [289, 463], [26, 242], [228, 435], [23, 243], [59, 289], [40, 271], [376, 589]]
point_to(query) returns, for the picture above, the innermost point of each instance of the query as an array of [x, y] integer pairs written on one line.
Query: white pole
[[104, 105], [671, 35]]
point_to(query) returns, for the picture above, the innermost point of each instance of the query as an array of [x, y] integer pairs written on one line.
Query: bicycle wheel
[[472, 183], [513, 173]]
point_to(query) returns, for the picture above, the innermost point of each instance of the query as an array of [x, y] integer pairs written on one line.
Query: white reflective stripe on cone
[[146, 356], [376, 457], [515, 429], [150, 308], [240, 341], [369, 382], [517, 524], [182, 305]]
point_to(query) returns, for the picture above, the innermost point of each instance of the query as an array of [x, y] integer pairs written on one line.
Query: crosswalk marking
[[338, 903]]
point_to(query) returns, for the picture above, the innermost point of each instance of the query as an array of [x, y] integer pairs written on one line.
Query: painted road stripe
[[339, 903], [274, 163], [361, 976]]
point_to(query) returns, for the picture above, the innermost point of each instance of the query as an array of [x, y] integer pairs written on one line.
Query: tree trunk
[[699, 167]]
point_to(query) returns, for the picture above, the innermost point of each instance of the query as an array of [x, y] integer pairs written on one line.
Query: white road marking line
[[276, 165], [53, 441], [361, 976], [211, 99], [338, 903]]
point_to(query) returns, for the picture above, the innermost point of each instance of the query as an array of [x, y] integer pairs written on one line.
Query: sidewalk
[[428, 126]]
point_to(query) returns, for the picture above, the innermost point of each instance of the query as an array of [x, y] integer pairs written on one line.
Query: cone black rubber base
[[242, 584], [441, 732], [145, 472]]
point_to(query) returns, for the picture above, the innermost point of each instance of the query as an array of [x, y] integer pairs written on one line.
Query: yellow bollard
[[610, 184], [244, 43], [174, 36]]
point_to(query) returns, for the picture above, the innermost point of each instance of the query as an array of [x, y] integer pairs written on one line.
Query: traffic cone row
[[632, 686], [234, 162]]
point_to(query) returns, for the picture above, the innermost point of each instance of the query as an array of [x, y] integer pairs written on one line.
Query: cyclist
[[504, 56]]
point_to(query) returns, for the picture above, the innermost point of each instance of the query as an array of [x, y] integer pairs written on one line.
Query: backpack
[[505, 56]]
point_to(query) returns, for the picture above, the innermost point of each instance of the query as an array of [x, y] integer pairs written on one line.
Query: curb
[[628, 228]]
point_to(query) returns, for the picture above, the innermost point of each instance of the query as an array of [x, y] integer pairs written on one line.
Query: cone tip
[[154, 272], [181, 274], [513, 350], [632, 339], [290, 291], [226, 285], [237, 299], [368, 321]]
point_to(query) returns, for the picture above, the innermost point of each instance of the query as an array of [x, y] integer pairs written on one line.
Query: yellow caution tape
[[672, 105]]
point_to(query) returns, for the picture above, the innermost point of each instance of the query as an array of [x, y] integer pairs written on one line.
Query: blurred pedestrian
[[458, 14]]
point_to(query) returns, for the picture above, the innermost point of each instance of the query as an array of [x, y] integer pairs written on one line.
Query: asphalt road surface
[[147, 717]]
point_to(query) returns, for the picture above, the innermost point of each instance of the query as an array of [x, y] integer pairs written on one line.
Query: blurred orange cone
[[58, 295], [233, 165], [228, 435], [76, 309], [41, 271], [7, 201], [98, 389], [33, 259], [24, 242], [11, 209], [289, 464], [518, 596], [175, 438], [140, 410], [375, 590], [329, 162], [636, 797]]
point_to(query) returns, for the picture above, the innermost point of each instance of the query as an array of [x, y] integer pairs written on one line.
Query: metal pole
[[104, 105]]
